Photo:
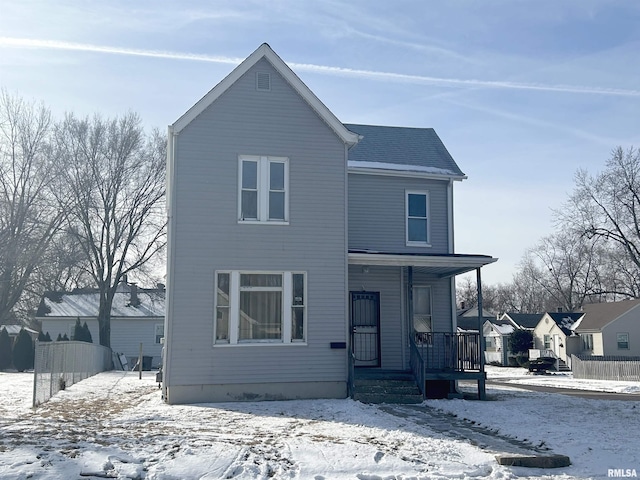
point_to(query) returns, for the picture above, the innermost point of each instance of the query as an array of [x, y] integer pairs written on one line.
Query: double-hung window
[[422, 312], [260, 307], [417, 225], [587, 341], [158, 333], [623, 341], [264, 189]]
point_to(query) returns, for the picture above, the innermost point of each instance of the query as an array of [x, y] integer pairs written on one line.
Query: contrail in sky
[[321, 69]]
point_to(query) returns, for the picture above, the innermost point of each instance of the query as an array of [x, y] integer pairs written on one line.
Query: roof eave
[[406, 173]]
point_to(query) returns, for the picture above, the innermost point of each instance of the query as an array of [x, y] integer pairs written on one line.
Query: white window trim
[[618, 341], [408, 242], [263, 188], [234, 309], [413, 294]]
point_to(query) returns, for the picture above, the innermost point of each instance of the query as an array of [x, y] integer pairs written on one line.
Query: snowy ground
[[114, 425]]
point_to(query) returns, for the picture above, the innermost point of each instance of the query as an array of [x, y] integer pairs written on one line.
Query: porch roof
[[442, 265]]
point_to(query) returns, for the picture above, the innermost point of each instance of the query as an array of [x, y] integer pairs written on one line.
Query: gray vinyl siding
[[395, 325], [207, 237], [386, 281], [126, 334], [377, 216], [441, 310]]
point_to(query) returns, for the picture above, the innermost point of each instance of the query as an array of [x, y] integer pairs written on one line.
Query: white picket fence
[[594, 367], [59, 365]]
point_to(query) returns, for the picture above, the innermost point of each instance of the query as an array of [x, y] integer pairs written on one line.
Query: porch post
[[481, 382], [410, 297]]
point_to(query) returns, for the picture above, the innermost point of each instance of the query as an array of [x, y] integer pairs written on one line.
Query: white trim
[[419, 261], [286, 290], [263, 189], [265, 51], [450, 218], [405, 174], [425, 193]]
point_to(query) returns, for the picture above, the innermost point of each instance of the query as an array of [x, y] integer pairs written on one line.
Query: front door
[[365, 328]]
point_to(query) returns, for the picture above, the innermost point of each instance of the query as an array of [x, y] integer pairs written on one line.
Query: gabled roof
[[418, 150], [265, 51], [565, 320], [599, 315], [85, 304], [527, 321]]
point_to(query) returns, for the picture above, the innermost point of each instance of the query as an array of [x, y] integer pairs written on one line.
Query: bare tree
[[607, 206], [115, 181], [29, 214], [566, 268]]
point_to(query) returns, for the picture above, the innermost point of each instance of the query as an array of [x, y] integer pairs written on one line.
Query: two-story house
[[303, 250]]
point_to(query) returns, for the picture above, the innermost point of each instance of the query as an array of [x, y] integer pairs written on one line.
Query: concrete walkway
[[508, 450]]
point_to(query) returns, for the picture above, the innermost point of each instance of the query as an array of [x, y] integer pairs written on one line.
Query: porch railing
[[417, 366], [445, 351]]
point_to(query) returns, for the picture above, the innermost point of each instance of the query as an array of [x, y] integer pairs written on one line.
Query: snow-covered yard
[[116, 426]]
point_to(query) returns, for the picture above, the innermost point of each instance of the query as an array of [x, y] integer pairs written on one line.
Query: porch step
[[562, 366], [386, 387]]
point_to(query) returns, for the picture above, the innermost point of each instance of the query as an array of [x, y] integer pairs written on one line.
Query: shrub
[[5, 349], [81, 333], [23, 351], [87, 333], [520, 341]]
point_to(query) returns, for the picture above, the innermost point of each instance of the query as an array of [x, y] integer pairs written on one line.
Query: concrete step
[[377, 398], [395, 387]]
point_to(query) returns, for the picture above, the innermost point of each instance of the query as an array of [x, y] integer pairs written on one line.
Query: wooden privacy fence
[[595, 367]]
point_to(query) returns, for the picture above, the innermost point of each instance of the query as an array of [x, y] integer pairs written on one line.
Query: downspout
[[451, 246], [349, 361], [168, 333]]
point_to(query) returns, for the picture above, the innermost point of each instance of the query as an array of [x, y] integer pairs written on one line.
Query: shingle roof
[[525, 320], [85, 304], [401, 148], [565, 320], [597, 315]]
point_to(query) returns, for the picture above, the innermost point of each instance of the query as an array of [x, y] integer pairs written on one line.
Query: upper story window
[[264, 189], [417, 227]]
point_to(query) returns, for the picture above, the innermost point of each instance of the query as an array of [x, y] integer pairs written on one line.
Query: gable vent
[[263, 81]]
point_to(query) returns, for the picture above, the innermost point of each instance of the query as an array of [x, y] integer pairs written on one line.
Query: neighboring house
[[554, 333], [137, 316], [302, 251], [14, 330], [522, 321], [496, 337], [610, 329], [467, 319]]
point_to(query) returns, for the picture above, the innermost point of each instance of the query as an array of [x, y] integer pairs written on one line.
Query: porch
[[402, 319], [438, 360]]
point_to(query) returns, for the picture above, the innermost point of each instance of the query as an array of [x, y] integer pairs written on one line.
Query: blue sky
[[522, 93]]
